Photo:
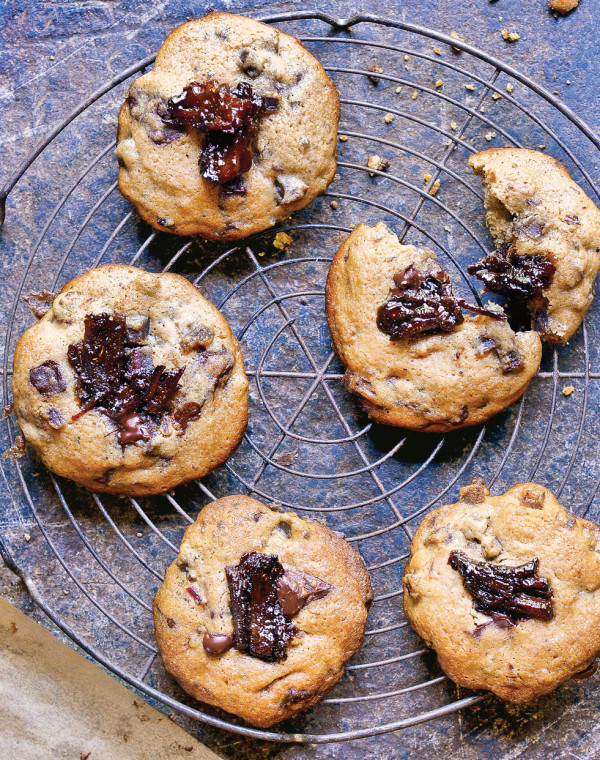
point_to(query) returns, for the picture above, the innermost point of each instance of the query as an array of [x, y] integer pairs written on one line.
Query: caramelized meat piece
[[422, 302], [120, 380], [229, 118], [260, 627], [513, 592], [516, 277], [47, 378]]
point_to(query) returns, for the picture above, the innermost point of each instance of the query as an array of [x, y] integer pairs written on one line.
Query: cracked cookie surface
[[294, 146], [536, 212], [320, 569], [432, 381], [506, 589], [131, 383]]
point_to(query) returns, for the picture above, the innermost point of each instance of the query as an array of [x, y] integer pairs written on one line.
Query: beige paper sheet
[[54, 704]]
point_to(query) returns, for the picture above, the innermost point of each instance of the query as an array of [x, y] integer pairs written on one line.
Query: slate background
[[53, 54]]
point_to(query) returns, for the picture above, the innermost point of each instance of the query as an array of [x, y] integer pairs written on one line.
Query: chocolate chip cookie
[[412, 356], [233, 130], [547, 233], [260, 610], [506, 589], [131, 383]]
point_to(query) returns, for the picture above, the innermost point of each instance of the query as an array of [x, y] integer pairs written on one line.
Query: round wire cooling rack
[[423, 102]]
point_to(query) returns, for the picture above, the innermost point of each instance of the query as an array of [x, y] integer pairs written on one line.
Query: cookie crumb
[[334, 205], [435, 187], [376, 70], [27, 537], [510, 87], [453, 125], [13, 627], [281, 241], [8, 410], [407, 58], [378, 163], [388, 118], [343, 138], [17, 450], [139, 534], [567, 390], [470, 87], [439, 83], [456, 36], [437, 51], [490, 136], [496, 96], [447, 229], [398, 90], [415, 95], [562, 6], [510, 36], [426, 177]]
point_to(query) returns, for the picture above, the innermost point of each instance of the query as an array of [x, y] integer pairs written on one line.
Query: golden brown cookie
[[506, 589], [562, 6], [441, 379], [185, 175], [547, 233], [260, 610], [132, 382]]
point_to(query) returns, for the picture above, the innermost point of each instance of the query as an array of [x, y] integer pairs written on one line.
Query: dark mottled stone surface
[[52, 56]]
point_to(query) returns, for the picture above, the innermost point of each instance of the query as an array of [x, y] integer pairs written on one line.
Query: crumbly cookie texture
[[523, 659], [294, 149], [433, 382], [329, 630], [533, 204], [177, 327], [563, 6]]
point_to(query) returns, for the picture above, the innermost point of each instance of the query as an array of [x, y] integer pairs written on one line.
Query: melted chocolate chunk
[[516, 277], [216, 643], [516, 593], [229, 118], [260, 627], [47, 379], [120, 380], [423, 302], [297, 588], [183, 414]]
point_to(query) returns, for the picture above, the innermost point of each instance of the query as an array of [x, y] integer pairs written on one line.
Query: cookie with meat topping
[[547, 233], [506, 589], [260, 610], [233, 130], [131, 383], [412, 356]]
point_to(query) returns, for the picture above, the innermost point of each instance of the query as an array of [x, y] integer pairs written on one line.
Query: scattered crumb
[[343, 138], [448, 142], [482, 109], [568, 81], [427, 178], [334, 205], [27, 537], [415, 95], [456, 36], [378, 163], [17, 450], [8, 410], [388, 118], [376, 70], [490, 136], [510, 87], [44, 297], [66, 592], [470, 87], [510, 36], [563, 6], [567, 390], [496, 96], [52, 57], [435, 187], [439, 83], [261, 253], [13, 627], [447, 229], [398, 90], [406, 58], [281, 241], [437, 51], [541, 147], [555, 92], [453, 125], [139, 534], [406, 66]]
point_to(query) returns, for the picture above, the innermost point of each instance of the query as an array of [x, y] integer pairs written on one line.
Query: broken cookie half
[[416, 354], [547, 235]]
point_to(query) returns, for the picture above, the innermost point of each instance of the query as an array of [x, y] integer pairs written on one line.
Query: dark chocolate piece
[[514, 592], [216, 643], [517, 277], [297, 588], [229, 118], [183, 414], [47, 379]]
